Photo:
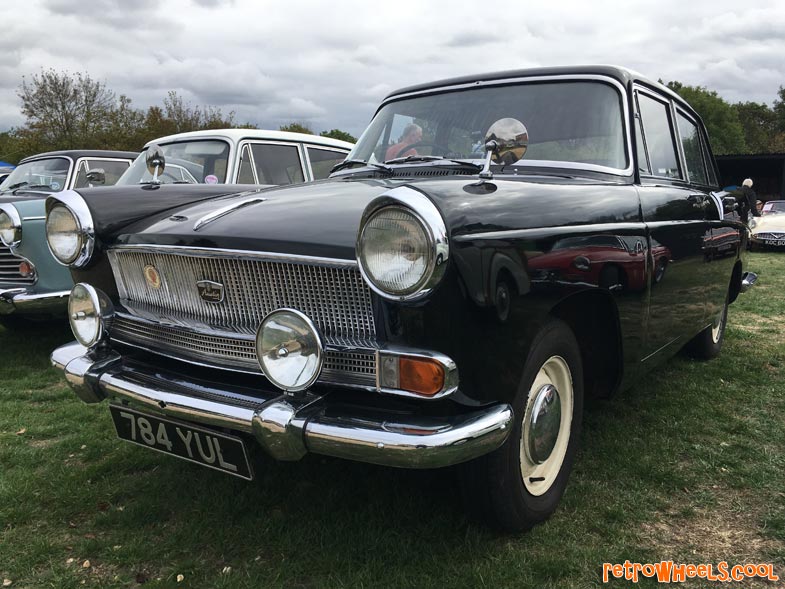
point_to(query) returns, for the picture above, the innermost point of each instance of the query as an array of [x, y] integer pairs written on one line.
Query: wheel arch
[[594, 319]]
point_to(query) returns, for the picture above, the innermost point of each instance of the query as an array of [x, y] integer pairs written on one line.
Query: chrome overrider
[[14, 300], [288, 426]]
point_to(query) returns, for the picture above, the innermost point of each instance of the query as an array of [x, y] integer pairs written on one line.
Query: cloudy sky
[[328, 64]]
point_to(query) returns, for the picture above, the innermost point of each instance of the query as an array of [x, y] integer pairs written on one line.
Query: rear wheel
[[708, 343], [520, 484]]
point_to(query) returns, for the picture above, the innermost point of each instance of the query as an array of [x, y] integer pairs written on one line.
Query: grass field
[[689, 466]]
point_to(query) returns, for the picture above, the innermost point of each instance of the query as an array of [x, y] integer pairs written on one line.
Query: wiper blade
[[350, 163], [17, 185], [435, 159]]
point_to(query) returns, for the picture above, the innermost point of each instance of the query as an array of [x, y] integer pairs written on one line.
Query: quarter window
[[691, 144], [659, 137], [323, 160], [277, 164], [245, 175]]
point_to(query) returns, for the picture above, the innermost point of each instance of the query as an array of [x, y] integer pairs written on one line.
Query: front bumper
[[287, 427], [18, 300]]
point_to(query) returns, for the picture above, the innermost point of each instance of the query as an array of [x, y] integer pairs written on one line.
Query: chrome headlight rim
[[77, 207], [101, 307], [434, 228], [318, 346], [16, 225]]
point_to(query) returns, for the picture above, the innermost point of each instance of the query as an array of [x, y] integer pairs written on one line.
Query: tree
[[338, 134], [296, 128], [758, 122], [64, 110], [721, 119]]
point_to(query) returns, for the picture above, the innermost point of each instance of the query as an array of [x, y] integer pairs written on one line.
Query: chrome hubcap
[[544, 424], [547, 422]]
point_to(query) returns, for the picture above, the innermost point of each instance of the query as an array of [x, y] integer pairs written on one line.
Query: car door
[[676, 214]]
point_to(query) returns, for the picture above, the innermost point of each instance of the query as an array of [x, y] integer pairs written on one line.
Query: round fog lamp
[[89, 312], [289, 350]]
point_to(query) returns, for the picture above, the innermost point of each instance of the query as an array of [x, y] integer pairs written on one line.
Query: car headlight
[[402, 245], [10, 225], [90, 313], [69, 229]]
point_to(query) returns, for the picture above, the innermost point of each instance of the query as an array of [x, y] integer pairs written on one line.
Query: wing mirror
[[156, 162], [729, 204], [96, 177], [505, 143]]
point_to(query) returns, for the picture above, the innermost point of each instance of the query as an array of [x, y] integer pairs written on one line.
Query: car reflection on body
[[612, 262]]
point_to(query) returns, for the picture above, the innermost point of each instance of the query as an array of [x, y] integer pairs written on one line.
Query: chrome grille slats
[[346, 367], [9, 268], [175, 321], [336, 299]]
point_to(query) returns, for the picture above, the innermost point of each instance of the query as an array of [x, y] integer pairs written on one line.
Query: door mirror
[[507, 139], [729, 204], [156, 162], [96, 177]]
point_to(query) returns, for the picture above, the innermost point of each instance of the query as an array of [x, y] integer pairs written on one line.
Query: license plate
[[774, 242], [195, 444]]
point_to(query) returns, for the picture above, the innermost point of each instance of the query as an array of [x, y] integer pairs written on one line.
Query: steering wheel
[[411, 146]]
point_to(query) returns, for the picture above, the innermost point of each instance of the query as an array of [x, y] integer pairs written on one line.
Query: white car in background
[[240, 156], [768, 230]]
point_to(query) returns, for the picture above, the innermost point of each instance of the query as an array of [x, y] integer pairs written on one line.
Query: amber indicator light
[[421, 375], [25, 269]]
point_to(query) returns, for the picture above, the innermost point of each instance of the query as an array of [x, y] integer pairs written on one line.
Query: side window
[[709, 159], [245, 173], [112, 171], [693, 150], [323, 160], [277, 164], [659, 137]]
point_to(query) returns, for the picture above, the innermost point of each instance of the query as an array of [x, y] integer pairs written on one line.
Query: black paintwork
[[636, 266]]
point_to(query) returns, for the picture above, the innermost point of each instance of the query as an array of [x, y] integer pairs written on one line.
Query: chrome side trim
[[223, 211], [287, 426], [184, 250]]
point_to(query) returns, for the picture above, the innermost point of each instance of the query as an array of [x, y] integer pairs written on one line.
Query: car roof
[[621, 74], [78, 153], [236, 135]]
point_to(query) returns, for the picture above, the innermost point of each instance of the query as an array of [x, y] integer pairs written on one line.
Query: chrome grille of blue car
[[172, 317], [9, 268]]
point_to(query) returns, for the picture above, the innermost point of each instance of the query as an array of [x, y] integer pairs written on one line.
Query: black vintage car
[[395, 313]]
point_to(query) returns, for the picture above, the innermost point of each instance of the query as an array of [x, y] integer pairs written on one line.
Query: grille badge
[[211, 292], [151, 276]]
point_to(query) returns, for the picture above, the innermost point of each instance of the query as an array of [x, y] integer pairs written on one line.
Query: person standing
[[749, 204]]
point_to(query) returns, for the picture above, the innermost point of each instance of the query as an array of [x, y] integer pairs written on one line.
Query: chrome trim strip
[[223, 211], [556, 231], [33, 218], [184, 250], [286, 427], [561, 78]]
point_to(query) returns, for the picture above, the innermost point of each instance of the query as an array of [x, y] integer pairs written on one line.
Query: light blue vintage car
[[33, 285]]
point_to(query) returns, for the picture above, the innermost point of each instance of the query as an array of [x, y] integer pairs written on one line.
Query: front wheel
[[520, 484]]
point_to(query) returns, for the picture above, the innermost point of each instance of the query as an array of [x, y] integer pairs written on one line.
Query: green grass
[[689, 466]]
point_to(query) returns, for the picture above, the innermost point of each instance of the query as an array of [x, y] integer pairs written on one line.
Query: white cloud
[[331, 63]]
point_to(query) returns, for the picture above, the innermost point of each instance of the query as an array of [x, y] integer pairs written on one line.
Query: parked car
[[32, 283], [241, 156], [391, 314], [768, 230], [216, 157]]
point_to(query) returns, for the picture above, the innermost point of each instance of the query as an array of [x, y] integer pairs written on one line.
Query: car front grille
[[174, 320], [9, 268], [770, 235]]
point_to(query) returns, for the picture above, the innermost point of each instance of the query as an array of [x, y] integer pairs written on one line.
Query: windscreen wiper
[[434, 158], [17, 185], [349, 163]]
